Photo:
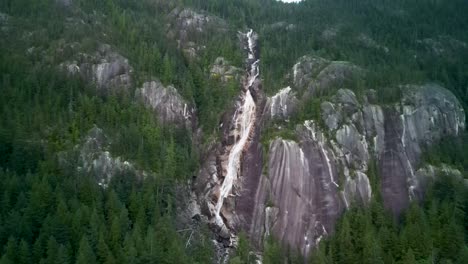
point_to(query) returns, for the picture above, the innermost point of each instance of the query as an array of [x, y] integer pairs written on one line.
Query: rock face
[[223, 69], [427, 113], [188, 27], [92, 157], [110, 71], [315, 75], [166, 102], [333, 162], [283, 104], [309, 182], [299, 200]]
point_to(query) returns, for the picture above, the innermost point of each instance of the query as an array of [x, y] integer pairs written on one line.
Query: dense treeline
[[49, 214], [54, 214], [50, 217], [435, 232], [399, 26]]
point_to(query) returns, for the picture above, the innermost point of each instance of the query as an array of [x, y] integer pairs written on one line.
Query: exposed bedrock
[[227, 181], [166, 103], [310, 181], [298, 201], [315, 75], [110, 71], [426, 114]]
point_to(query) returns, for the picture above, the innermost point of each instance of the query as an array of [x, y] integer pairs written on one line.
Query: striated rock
[[110, 71], [330, 115], [166, 102], [427, 113], [354, 146], [301, 190], [309, 183], [306, 69], [283, 104]]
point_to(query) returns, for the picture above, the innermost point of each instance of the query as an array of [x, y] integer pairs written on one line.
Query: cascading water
[[243, 123]]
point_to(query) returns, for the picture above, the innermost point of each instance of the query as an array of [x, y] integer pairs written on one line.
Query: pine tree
[[409, 257], [24, 255], [63, 256], [85, 253]]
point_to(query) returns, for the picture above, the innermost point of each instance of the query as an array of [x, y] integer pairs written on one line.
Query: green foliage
[[449, 150], [434, 232]]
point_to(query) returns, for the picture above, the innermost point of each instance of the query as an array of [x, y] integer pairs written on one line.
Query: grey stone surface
[[110, 71], [315, 75], [166, 102], [187, 26], [283, 104], [223, 69], [310, 182], [92, 157]]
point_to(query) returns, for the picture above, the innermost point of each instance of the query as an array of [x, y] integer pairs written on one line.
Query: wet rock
[[166, 102], [309, 183], [426, 114], [283, 104], [330, 115], [357, 189], [354, 146], [301, 190]]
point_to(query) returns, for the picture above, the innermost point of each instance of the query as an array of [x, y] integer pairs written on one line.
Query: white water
[[310, 125], [244, 119]]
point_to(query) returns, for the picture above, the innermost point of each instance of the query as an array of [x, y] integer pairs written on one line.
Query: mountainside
[[233, 131]]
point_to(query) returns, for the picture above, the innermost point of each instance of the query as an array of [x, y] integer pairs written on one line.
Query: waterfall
[[243, 123]]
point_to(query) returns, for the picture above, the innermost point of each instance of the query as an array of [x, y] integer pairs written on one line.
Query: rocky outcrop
[[298, 201], [223, 70], [442, 46], [92, 157], [282, 105], [368, 42], [426, 114], [4, 22], [108, 70], [167, 104], [309, 182], [188, 27], [315, 75]]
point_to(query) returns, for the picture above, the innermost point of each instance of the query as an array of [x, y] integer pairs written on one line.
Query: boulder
[[167, 104], [315, 75], [108, 70]]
